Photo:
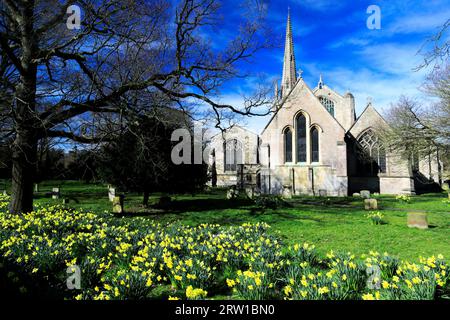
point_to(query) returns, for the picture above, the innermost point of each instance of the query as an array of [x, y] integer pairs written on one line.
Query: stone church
[[313, 145]]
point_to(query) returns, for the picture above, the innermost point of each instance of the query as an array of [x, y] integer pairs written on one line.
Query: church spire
[[289, 69], [320, 84]]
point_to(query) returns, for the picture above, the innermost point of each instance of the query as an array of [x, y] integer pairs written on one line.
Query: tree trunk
[[23, 173], [26, 126], [146, 198]]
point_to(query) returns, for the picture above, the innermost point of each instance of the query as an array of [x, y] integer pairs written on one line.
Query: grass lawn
[[338, 224]]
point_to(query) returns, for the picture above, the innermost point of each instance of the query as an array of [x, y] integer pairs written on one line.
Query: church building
[[313, 145]]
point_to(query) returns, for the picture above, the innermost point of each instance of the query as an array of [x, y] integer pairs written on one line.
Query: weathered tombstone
[[446, 187], [417, 220], [118, 204], [356, 195], [370, 204], [55, 193], [232, 193], [365, 194], [36, 187], [5, 193], [111, 194], [287, 192], [322, 193], [250, 192]]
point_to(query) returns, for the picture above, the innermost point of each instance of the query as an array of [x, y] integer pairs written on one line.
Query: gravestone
[[55, 193], [5, 193], [111, 194], [322, 193], [417, 220], [118, 204], [36, 187], [365, 194], [370, 204], [356, 195], [250, 192], [446, 187], [287, 192], [232, 193]]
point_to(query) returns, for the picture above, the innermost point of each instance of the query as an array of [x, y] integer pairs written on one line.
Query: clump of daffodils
[[195, 294], [137, 258], [404, 198], [376, 217], [4, 201]]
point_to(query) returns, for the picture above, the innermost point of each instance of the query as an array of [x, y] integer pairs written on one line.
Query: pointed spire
[[320, 84], [289, 69]]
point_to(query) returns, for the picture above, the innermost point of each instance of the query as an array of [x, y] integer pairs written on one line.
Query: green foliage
[[137, 258], [376, 218], [268, 201]]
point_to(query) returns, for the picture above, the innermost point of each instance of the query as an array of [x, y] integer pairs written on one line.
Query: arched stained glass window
[[301, 138], [314, 145], [233, 155], [287, 145], [373, 150], [328, 104]]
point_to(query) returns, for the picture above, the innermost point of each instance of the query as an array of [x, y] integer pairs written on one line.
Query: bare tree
[[78, 84]]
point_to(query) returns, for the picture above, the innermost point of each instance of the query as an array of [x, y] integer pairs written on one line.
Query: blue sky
[[331, 37]]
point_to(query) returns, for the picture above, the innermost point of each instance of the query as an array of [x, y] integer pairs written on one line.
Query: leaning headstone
[[356, 195], [417, 220], [370, 204], [322, 193], [111, 194], [55, 193], [287, 193], [118, 204], [365, 194]]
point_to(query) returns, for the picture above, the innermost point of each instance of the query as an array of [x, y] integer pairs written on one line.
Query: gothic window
[[301, 138], [287, 145], [233, 155], [328, 104], [374, 151], [314, 145]]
